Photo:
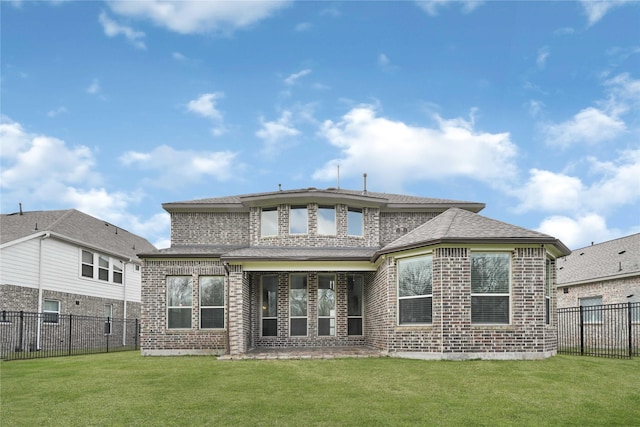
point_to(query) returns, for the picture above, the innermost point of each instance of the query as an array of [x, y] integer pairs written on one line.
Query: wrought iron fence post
[[136, 334], [107, 335], [19, 347], [581, 330], [70, 332], [630, 329]]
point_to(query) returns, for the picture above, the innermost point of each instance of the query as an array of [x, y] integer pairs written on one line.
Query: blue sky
[[533, 108]]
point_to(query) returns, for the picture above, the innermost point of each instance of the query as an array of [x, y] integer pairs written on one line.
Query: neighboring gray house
[[68, 262], [604, 273], [411, 276]]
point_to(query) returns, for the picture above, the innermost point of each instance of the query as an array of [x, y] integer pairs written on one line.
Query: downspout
[[40, 276]]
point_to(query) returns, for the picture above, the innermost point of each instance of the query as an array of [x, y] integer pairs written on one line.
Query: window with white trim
[[354, 304], [87, 264], [298, 220], [179, 301], [547, 291], [103, 268], [269, 304], [108, 317], [326, 304], [490, 287], [212, 302], [117, 272], [414, 290], [298, 301], [327, 220], [355, 222], [634, 305], [591, 309], [51, 310], [268, 222]]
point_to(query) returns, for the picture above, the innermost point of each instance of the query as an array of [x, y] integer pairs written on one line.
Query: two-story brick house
[[411, 276]]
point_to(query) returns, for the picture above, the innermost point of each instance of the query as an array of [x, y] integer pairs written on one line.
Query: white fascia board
[[23, 239], [306, 265]]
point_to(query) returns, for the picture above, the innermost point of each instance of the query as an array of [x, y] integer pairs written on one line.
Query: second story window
[[298, 223], [327, 220], [355, 224], [269, 222]]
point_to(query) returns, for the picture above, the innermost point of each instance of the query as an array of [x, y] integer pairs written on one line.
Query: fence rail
[[25, 335], [611, 330]]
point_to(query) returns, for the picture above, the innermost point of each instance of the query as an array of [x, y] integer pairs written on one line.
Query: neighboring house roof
[[335, 195], [604, 261], [460, 226], [73, 226]]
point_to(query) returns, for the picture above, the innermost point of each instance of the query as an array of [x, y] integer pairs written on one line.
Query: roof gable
[[461, 226], [75, 226]]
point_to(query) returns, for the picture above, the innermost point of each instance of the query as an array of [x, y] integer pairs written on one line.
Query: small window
[[591, 308], [326, 304], [117, 273], [298, 304], [547, 291], [212, 302], [298, 220], [269, 222], [355, 224], [179, 300], [269, 296], [414, 290], [87, 264], [490, 284], [108, 317], [103, 268], [51, 311], [327, 220], [354, 304]]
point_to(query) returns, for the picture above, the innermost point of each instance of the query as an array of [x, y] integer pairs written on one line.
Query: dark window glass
[[212, 318], [354, 326], [415, 310], [489, 309], [298, 327], [269, 327]]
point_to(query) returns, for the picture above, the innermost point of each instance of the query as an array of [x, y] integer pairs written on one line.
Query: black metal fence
[[26, 335], [611, 330]]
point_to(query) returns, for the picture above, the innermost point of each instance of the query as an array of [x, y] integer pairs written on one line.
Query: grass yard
[[126, 389]]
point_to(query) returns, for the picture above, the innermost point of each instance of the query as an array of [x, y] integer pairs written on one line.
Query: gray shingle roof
[[383, 199], [76, 226], [614, 258], [458, 226]]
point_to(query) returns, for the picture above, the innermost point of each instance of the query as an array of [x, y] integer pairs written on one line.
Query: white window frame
[[350, 213], [591, 316], [331, 227], [494, 294], [118, 272], [201, 286], [295, 211], [101, 265], [263, 306], [180, 306], [332, 311], [306, 315], [547, 291], [361, 305], [428, 296], [84, 263], [48, 312], [108, 318], [265, 213]]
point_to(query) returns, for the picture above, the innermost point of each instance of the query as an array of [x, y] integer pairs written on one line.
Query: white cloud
[[402, 153], [113, 29], [432, 6], [579, 231], [177, 168], [589, 126], [94, 88], [543, 54], [303, 26], [615, 184], [597, 9], [535, 107], [190, 17], [293, 78], [205, 106], [385, 63], [273, 132], [56, 112]]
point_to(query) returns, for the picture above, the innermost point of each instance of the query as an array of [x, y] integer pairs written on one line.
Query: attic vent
[[621, 252], [581, 253]]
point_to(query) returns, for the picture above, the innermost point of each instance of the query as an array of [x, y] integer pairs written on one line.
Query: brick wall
[[206, 228], [394, 225], [612, 291]]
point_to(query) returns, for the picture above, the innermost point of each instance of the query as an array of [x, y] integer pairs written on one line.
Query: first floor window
[[269, 302], [108, 317], [298, 304], [547, 291], [354, 304], [634, 302], [326, 304], [591, 309], [179, 299], [490, 284], [414, 290], [51, 311], [211, 302]]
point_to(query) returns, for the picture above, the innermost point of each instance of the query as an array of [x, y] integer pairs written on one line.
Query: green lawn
[[126, 389]]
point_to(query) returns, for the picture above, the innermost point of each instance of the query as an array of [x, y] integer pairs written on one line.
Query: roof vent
[[364, 175], [621, 252]]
